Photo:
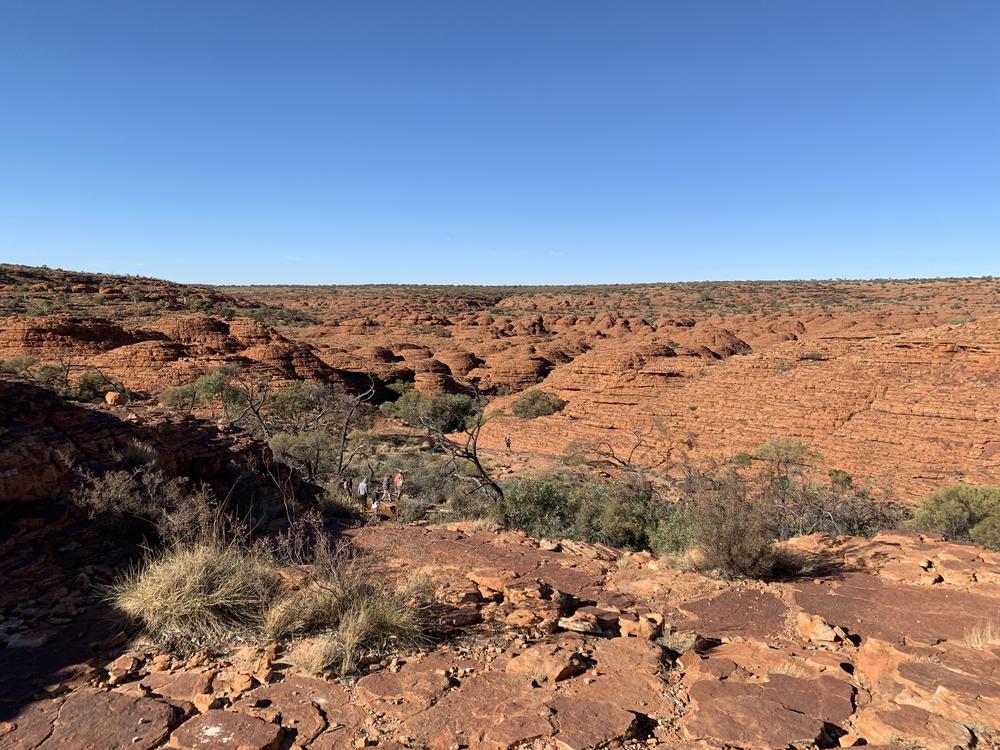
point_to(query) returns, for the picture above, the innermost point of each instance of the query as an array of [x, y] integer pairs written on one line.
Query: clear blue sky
[[486, 142]]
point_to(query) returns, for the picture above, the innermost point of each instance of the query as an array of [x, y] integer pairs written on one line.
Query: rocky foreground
[[544, 644]]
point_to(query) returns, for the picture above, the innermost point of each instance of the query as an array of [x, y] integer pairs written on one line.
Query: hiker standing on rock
[[397, 481], [506, 441]]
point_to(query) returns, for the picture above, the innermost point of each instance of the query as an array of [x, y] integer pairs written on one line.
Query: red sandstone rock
[[228, 729]]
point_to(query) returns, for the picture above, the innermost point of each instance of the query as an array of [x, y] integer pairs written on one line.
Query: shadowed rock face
[[43, 437], [887, 657]]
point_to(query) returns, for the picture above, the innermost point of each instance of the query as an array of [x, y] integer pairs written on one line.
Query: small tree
[[965, 511], [312, 452]]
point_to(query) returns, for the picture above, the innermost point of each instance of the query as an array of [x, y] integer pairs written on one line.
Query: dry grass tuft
[[210, 593], [314, 655], [305, 610], [790, 669], [356, 616], [198, 594], [982, 635]]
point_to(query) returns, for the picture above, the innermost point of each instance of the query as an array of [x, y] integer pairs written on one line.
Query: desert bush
[[965, 512], [537, 403], [735, 539], [429, 479], [205, 390], [199, 594], [618, 513], [39, 307], [52, 376], [575, 453], [397, 388], [135, 454], [304, 405], [18, 365], [146, 501], [410, 509], [179, 397], [986, 533], [676, 532], [780, 491], [742, 459], [90, 386], [443, 413], [537, 505], [842, 509], [840, 478], [333, 503]]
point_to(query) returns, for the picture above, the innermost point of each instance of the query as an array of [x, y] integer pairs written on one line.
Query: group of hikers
[[371, 499], [365, 490]]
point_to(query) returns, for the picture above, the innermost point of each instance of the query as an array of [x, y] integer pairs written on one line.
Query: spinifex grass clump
[[216, 594], [198, 594]]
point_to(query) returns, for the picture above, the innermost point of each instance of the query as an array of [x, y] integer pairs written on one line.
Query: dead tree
[[637, 458], [346, 426], [252, 394], [464, 447]]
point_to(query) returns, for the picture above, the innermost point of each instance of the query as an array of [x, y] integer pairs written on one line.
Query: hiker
[[363, 491], [398, 483], [506, 441], [345, 486]]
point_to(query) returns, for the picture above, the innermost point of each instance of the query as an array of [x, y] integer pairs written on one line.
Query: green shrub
[[676, 533], [180, 397], [398, 387], [205, 390], [18, 365], [840, 478], [987, 532], [54, 377], [443, 413], [39, 307], [410, 509], [90, 386], [965, 512], [618, 513], [145, 501], [538, 506], [537, 403]]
